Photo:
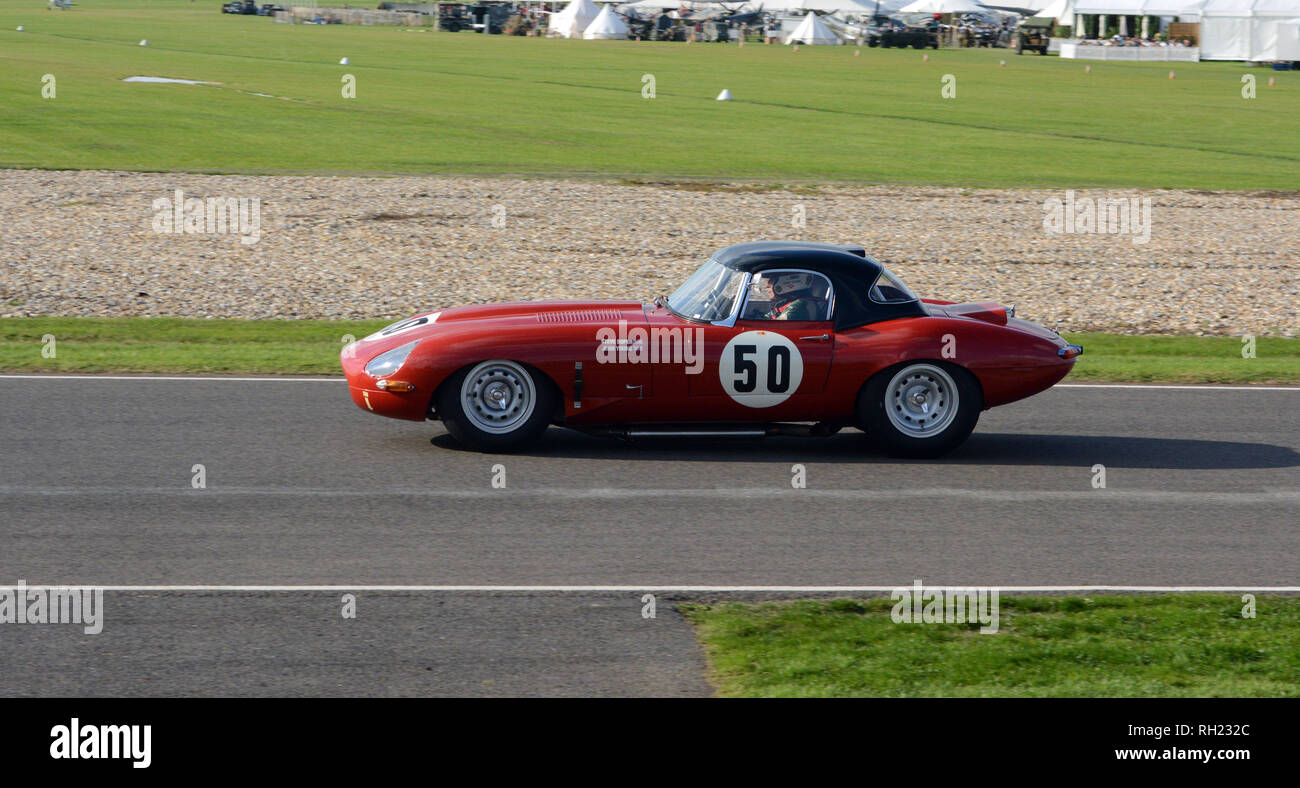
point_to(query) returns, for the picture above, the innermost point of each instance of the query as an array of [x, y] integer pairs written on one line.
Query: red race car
[[775, 337]]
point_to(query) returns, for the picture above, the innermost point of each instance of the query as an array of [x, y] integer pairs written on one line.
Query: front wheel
[[496, 405], [920, 409]]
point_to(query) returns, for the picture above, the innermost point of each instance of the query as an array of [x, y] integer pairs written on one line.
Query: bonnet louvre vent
[[578, 316]]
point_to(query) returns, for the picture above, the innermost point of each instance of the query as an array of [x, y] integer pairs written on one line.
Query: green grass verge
[[1105, 646], [311, 347], [164, 344], [463, 103], [1183, 359]]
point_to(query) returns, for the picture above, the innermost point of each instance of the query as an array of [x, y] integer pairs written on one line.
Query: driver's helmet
[[785, 284]]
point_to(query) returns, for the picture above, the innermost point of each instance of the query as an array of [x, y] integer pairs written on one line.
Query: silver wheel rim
[[498, 396], [921, 400]]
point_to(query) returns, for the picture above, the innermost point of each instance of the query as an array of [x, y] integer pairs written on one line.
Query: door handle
[[818, 338]]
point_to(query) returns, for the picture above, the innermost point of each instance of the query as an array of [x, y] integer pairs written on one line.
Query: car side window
[[889, 289], [788, 295]]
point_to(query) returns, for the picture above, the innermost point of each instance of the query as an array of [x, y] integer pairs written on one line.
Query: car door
[[764, 362]]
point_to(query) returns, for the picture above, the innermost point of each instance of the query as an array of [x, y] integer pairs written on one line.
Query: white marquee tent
[[944, 7], [1061, 10], [837, 6], [674, 5], [1288, 40], [1132, 7], [1230, 29], [1244, 29], [573, 20], [607, 24], [812, 31]]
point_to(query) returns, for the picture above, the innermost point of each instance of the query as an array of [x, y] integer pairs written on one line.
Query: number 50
[[778, 369]]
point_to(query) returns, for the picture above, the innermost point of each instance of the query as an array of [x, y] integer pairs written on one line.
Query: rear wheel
[[496, 405], [920, 409]]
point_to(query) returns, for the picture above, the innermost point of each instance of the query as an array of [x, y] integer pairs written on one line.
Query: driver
[[792, 297]]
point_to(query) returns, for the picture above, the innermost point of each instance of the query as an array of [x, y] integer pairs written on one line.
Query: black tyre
[[496, 405], [920, 409]]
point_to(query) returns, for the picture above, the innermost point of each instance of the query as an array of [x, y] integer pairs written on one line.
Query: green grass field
[[465, 103], [311, 347], [1104, 646]]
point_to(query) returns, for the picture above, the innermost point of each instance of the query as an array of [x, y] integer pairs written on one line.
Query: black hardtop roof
[[846, 261]]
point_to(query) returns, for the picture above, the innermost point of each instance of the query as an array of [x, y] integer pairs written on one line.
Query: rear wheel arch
[[893, 369]]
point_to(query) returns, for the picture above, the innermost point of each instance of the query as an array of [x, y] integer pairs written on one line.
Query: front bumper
[[366, 393]]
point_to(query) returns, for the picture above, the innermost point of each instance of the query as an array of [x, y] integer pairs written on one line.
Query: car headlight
[[390, 361]]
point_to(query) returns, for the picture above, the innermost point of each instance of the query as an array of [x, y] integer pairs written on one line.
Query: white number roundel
[[760, 369]]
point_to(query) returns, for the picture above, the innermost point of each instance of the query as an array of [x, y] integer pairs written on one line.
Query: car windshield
[[709, 294]]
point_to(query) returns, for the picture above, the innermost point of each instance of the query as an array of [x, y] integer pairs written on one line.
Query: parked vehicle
[[887, 32], [1033, 35]]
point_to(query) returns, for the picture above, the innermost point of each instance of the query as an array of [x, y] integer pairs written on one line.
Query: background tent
[[1116, 10], [812, 31], [1230, 29], [1243, 29], [842, 7], [944, 7], [1060, 10], [674, 5], [1288, 40], [1132, 7], [573, 20], [607, 24]]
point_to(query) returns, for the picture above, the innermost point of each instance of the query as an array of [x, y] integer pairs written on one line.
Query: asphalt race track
[[303, 489]]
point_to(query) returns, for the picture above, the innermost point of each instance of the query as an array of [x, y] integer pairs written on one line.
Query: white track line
[[659, 588], [273, 379], [774, 493]]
